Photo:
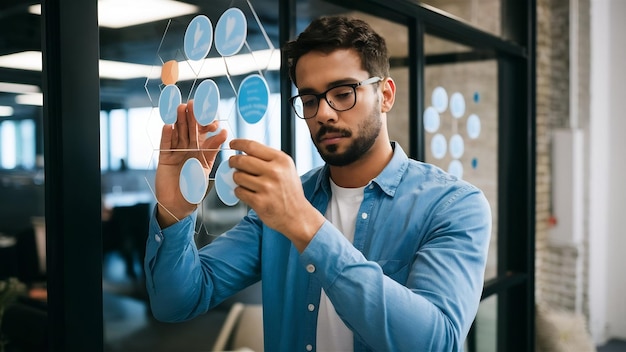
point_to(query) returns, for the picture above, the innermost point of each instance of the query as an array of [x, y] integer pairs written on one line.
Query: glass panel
[[483, 14], [486, 326], [461, 122], [131, 124], [104, 141], [8, 146], [22, 190]]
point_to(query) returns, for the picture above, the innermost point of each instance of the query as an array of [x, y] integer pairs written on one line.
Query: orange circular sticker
[[169, 72]]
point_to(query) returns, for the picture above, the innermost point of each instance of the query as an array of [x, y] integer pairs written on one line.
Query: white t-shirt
[[332, 334]]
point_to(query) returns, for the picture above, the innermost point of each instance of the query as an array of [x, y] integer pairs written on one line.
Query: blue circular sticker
[[169, 100], [198, 38], [230, 32], [473, 126], [455, 168], [431, 119], [457, 105], [224, 184], [253, 98], [438, 146], [457, 146], [206, 101], [439, 99], [193, 182]]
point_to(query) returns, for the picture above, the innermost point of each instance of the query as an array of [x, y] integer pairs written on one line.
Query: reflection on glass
[[461, 121]]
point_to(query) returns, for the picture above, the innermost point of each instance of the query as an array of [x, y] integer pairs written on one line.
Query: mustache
[[329, 129]]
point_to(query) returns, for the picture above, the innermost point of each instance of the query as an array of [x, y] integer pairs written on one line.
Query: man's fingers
[[248, 164], [249, 182], [212, 145], [192, 125], [212, 127], [254, 148], [166, 137], [181, 126]]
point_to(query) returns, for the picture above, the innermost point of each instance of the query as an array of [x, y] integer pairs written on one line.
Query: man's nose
[[325, 112]]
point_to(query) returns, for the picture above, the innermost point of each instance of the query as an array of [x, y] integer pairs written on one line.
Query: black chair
[[126, 233]]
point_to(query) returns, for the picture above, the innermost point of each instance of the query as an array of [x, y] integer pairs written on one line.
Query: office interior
[[529, 91]]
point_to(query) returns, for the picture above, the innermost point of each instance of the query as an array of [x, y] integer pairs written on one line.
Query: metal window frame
[[72, 171]]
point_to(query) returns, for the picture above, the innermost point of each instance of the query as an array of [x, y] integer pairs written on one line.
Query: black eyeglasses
[[340, 98]]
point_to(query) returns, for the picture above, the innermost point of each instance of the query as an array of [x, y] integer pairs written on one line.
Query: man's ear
[[389, 94]]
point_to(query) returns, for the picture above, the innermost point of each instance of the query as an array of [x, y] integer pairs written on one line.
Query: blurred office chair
[[126, 233], [242, 329]]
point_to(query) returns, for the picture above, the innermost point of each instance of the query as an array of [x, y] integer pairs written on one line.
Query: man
[[372, 251]]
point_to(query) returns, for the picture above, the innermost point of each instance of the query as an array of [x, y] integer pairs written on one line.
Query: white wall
[[607, 189]]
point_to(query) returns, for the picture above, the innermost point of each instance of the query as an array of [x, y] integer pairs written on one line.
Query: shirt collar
[[388, 180]]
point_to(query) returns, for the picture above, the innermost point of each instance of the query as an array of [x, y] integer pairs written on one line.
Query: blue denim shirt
[[411, 281]]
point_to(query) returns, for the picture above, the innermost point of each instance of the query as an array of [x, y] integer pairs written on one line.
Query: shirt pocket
[[396, 269]]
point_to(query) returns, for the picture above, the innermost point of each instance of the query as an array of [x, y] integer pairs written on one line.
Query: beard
[[368, 130]]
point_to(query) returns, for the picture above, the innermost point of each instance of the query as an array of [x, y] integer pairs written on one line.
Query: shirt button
[[309, 347], [310, 268], [157, 238], [363, 216], [311, 307], [372, 186]]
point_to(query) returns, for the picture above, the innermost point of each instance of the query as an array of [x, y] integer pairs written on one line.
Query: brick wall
[[559, 280]]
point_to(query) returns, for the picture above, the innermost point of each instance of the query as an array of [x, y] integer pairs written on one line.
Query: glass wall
[[464, 103], [461, 120]]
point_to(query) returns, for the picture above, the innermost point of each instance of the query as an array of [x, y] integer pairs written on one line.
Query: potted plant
[[10, 289]]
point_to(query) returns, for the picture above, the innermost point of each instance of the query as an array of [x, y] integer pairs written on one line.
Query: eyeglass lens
[[340, 98]]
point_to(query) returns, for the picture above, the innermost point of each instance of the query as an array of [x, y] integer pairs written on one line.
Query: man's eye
[[342, 93], [308, 102]]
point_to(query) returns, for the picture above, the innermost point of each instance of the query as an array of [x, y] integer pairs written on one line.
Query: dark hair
[[330, 33]]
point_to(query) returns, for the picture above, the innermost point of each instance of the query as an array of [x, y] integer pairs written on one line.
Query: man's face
[[342, 137]]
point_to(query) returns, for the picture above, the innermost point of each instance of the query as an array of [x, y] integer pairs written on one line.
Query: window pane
[[8, 141], [118, 138], [140, 127], [461, 122], [27, 143], [486, 325], [104, 141]]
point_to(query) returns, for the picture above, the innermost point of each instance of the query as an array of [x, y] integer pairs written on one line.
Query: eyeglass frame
[[319, 96]]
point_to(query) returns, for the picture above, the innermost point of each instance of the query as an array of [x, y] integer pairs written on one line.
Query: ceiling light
[[30, 99], [31, 60], [26, 60], [259, 60], [125, 13], [18, 88], [122, 70], [6, 111], [241, 64]]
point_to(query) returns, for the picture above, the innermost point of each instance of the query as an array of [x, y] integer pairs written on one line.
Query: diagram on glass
[[453, 144], [215, 66]]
